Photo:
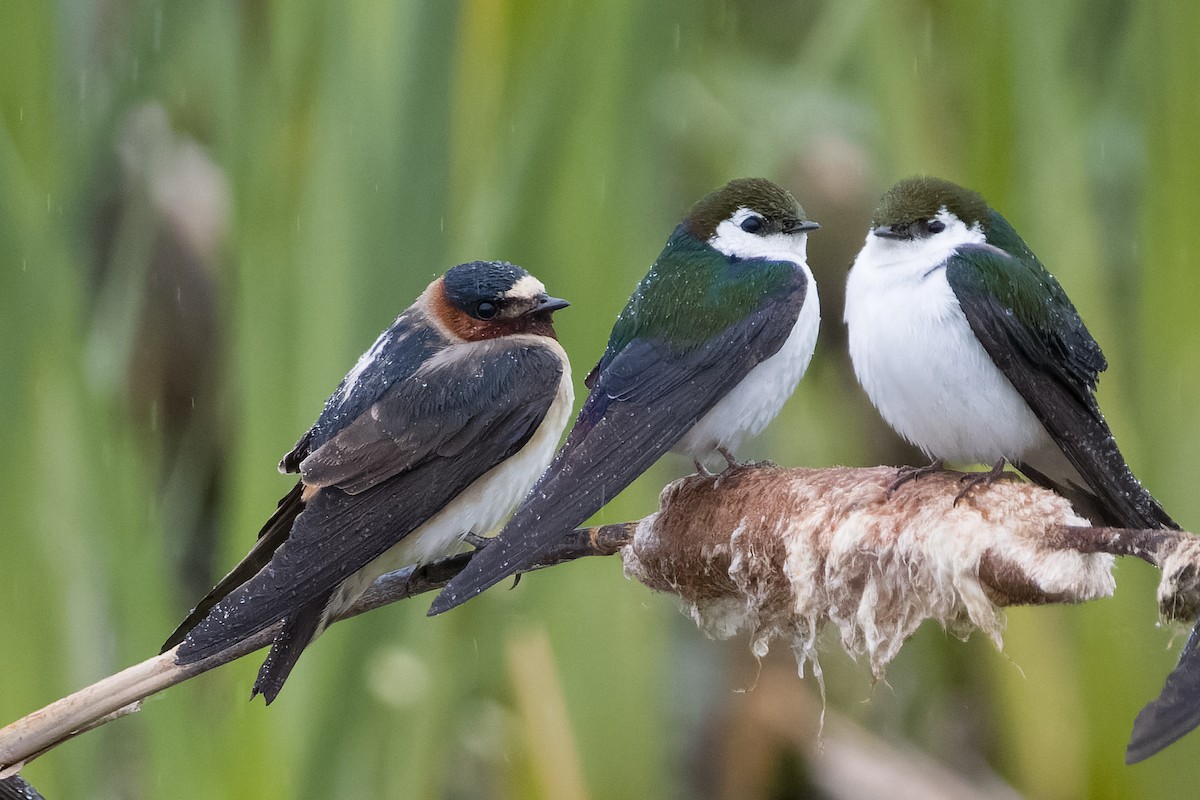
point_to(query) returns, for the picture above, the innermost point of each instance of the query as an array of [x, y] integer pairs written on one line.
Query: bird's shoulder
[[694, 293], [395, 356], [461, 394], [1004, 289]]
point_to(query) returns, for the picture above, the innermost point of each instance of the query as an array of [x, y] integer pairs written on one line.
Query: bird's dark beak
[[888, 232], [801, 226], [549, 303]]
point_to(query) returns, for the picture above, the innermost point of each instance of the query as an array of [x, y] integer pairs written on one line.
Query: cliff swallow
[[438, 431]]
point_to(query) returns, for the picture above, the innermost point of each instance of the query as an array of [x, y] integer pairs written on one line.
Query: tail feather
[[299, 630], [1090, 471], [1137, 510], [15, 787]]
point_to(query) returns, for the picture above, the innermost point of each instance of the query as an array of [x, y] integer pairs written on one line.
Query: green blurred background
[[209, 209]]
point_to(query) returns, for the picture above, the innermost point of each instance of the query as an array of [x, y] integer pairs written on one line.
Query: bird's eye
[[935, 226], [752, 223], [485, 310]]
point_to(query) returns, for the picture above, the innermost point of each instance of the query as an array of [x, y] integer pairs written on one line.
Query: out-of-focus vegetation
[[209, 209]]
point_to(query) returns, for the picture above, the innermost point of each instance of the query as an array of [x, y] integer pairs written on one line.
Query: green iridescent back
[[694, 292]]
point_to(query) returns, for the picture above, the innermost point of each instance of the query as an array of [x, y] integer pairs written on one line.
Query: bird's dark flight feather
[[1053, 362], [1175, 712], [494, 413], [644, 397], [273, 534], [399, 352], [299, 628], [1034, 335]]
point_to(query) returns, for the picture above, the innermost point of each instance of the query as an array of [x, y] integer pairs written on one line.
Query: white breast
[[751, 405], [919, 362], [481, 506]]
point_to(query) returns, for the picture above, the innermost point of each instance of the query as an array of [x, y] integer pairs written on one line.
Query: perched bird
[[713, 341], [971, 350], [437, 432]]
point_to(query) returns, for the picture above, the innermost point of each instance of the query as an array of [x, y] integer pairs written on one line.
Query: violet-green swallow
[[438, 431], [713, 341], [971, 351]]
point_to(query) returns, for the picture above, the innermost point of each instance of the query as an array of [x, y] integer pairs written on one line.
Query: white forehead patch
[[731, 240], [527, 288]]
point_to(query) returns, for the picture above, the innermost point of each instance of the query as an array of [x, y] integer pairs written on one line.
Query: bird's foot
[[477, 541], [701, 470], [730, 461], [906, 474], [973, 479]]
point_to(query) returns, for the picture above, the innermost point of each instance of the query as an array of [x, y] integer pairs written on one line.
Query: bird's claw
[[973, 479], [906, 474], [730, 461]]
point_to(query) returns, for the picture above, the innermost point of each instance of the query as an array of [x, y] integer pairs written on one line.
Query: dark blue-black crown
[[468, 284]]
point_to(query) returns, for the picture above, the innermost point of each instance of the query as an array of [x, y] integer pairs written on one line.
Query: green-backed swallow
[[971, 350], [713, 341]]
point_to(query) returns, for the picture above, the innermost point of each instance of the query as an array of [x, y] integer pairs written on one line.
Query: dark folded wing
[[457, 422], [1034, 335], [273, 534], [394, 357], [643, 400], [438, 413]]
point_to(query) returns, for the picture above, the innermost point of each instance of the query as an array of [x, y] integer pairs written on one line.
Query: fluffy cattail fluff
[[783, 553]]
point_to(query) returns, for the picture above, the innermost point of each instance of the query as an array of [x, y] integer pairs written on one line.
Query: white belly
[[927, 374], [751, 405]]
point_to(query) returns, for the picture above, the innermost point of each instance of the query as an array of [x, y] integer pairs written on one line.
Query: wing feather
[[1033, 333], [374, 495], [644, 398], [273, 534]]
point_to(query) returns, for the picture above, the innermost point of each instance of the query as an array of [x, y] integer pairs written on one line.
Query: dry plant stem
[[1176, 553], [1146, 544], [121, 694], [783, 554]]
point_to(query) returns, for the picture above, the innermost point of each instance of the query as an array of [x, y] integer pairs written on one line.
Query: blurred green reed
[[229, 200]]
